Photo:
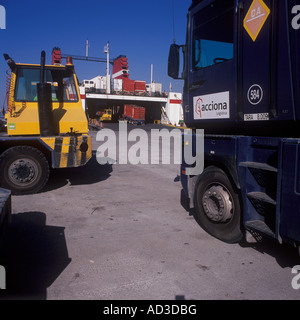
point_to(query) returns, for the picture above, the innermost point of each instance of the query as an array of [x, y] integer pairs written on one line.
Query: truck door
[[211, 75], [294, 9], [255, 60]]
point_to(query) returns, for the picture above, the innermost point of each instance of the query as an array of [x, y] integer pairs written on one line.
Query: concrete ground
[[123, 232]]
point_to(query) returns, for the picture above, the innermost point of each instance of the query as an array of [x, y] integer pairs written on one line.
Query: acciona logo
[[212, 106], [2, 18]]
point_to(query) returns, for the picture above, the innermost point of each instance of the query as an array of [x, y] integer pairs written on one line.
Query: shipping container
[[154, 88], [128, 85], [100, 83], [134, 114], [117, 85], [139, 86]]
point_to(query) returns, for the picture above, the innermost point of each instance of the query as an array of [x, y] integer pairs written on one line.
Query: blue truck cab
[[242, 87]]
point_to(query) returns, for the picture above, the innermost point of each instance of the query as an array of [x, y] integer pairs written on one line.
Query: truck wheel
[[217, 206], [23, 170]]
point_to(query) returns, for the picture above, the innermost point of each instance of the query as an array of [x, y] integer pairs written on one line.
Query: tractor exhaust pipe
[[45, 102]]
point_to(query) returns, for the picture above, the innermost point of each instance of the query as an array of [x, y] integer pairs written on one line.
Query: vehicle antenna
[[173, 16]]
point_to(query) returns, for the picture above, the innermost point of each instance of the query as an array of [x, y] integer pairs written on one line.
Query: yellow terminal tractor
[[105, 115], [46, 125]]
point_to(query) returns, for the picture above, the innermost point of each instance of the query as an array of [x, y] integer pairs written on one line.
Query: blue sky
[[141, 30]]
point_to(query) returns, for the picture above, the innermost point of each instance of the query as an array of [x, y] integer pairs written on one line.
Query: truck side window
[[26, 88], [62, 84], [66, 88], [213, 34], [70, 93]]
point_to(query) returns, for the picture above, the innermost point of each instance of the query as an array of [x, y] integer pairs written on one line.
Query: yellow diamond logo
[[256, 18]]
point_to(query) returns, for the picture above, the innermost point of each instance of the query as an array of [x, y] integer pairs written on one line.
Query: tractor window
[[69, 89], [213, 34], [62, 83], [27, 80]]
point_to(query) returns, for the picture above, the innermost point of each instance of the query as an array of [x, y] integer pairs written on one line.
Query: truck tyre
[[217, 206], [23, 170]]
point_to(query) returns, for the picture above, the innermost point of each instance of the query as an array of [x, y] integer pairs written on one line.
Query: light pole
[[106, 50]]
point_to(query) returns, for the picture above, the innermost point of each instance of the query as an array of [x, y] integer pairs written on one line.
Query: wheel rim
[[217, 203], [23, 172]]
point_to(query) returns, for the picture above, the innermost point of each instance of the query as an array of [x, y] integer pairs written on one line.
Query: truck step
[[260, 227], [261, 196], [258, 165]]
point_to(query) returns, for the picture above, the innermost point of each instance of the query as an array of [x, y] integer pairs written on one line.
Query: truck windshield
[[213, 34], [62, 83]]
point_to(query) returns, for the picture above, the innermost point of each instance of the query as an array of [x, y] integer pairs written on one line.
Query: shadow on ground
[[285, 255], [34, 255], [91, 173]]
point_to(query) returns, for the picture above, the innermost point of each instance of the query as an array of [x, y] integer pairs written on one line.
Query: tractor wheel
[[217, 206], [23, 170]]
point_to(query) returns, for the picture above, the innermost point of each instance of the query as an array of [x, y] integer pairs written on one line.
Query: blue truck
[[242, 87]]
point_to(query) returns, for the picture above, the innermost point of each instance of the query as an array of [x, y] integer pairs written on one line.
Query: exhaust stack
[[44, 102]]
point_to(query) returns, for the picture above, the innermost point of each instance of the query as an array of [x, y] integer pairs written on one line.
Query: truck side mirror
[[9, 61], [173, 61]]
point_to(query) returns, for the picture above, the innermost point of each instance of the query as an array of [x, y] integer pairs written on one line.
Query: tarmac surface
[[125, 232]]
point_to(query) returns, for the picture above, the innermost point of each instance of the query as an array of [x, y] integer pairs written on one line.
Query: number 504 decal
[[255, 94]]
